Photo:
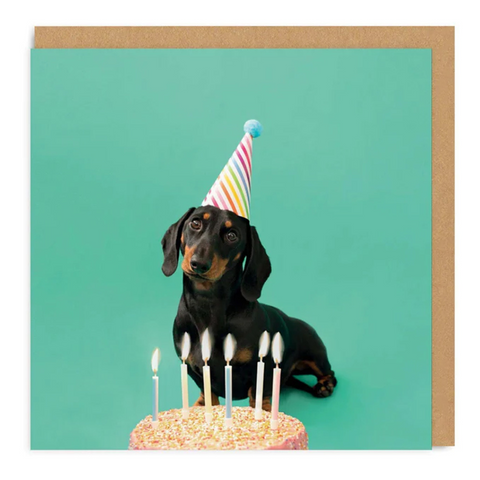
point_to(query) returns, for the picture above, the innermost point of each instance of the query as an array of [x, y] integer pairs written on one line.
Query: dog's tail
[[298, 384]]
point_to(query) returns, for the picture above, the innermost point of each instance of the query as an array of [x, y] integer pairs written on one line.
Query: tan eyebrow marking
[[228, 223], [206, 216]]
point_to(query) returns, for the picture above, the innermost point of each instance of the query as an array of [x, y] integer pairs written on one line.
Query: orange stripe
[[225, 191]]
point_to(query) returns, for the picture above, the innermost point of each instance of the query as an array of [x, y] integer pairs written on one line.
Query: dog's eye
[[231, 236], [196, 224]]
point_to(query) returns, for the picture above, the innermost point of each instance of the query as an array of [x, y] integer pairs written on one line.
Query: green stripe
[[245, 204]]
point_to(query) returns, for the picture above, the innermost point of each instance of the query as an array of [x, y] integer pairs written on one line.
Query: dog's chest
[[241, 363]]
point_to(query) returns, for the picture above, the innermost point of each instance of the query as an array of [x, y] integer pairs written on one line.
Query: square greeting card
[[231, 249]]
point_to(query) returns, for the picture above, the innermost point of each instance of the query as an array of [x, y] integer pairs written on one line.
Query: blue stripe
[[239, 170]]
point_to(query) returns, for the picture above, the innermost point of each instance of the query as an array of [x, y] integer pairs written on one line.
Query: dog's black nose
[[199, 266]]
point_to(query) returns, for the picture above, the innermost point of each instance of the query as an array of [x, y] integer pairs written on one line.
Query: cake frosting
[[246, 433]]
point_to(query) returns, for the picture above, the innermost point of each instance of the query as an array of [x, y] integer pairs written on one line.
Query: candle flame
[[206, 348], [185, 346], [229, 347], [155, 360], [264, 344], [277, 347]]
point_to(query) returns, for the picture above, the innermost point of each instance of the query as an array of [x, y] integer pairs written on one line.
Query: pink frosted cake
[[174, 433]]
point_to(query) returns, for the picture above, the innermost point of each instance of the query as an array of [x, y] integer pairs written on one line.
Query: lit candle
[[229, 350], [264, 344], [277, 351], [207, 389], [184, 371], [155, 362]]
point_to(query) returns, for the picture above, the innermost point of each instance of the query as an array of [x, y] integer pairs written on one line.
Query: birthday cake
[[246, 433]]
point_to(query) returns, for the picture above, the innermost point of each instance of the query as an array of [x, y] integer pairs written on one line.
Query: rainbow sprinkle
[[174, 433]]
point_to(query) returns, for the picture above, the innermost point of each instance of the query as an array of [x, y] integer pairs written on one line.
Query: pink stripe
[[246, 156], [214, 201], [248, 138], [220, 200], [248, 144], [247, 170]]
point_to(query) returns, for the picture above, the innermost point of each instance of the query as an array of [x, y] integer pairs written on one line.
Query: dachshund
[[224, 269]]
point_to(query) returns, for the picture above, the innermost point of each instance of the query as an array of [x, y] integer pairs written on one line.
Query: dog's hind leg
[[326, 380], [294, 382], [313, 361]]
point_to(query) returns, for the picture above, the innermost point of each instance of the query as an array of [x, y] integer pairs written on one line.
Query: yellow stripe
[[232, 190], [240, 189]]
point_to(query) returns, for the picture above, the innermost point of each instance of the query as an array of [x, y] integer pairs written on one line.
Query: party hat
[[231, 190]]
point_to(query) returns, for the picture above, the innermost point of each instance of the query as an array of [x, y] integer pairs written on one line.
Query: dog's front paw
[[267, 404], [324, 386], [201, 400]]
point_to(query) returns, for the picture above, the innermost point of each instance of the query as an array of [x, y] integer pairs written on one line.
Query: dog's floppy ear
[[171, 244], [257, 268]]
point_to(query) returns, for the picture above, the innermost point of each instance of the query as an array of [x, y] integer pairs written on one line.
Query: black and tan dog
[[220, 293]]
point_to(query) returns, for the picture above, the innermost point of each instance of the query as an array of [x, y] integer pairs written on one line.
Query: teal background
[[124, 141]]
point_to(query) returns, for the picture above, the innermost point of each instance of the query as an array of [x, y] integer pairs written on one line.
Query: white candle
[[155, 362], [207, 389], [264, 344], [207, 393], [184, 373], [229, 350], [277, 351]]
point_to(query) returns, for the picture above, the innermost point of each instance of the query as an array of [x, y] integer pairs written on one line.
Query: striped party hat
[[231, 190]]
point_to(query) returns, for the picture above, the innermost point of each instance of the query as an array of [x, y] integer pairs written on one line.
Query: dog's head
[[212, 242]]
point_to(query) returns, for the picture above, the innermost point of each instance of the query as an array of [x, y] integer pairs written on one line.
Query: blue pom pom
[[253, 127]]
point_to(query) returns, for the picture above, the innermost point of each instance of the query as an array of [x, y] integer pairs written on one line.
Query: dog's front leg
[[266, 402], [201, 400]]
